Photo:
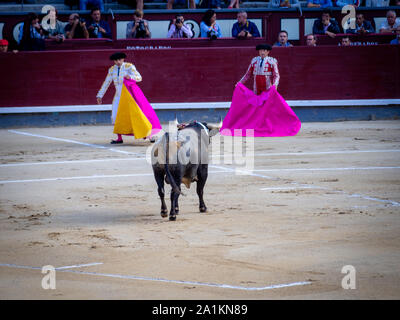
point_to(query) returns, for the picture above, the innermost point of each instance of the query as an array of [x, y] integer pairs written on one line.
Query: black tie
[[118, 72], [261, 63]]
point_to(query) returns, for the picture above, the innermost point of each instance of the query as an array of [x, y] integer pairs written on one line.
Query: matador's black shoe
[[116, 141]]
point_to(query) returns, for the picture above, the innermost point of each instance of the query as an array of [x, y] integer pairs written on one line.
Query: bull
[[182, 158]]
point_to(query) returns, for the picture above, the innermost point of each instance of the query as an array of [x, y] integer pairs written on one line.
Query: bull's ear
[[213, 132]]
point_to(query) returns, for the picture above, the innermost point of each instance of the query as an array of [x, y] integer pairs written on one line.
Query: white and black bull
[[182, 157]]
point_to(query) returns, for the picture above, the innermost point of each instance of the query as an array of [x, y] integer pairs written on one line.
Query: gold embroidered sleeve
[[134, 74], [105, 84]]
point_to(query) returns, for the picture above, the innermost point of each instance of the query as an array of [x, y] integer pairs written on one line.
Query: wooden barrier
[[200, 74]]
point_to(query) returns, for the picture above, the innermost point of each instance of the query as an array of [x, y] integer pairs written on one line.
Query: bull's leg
[[176, 207], [159, 176], [174, 201], [202, 174]]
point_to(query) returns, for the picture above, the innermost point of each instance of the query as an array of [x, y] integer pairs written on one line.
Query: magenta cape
[[143, 104], [267, 114]]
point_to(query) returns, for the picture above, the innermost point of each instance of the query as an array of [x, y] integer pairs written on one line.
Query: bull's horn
[[176, 120], [218, 126], [220, 123]]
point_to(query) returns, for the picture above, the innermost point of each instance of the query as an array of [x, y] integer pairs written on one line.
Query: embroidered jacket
[[265, 73], [117, 75]]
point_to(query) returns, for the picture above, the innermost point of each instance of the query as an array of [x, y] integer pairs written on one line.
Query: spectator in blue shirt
[[287, 3], [319, 3], [326, 24], [98, 28], [362, 26], [397, 40], [342, 3], [31, 34], [96, 3], [209, 28], [283, 40], [204, 4], [244, 28]]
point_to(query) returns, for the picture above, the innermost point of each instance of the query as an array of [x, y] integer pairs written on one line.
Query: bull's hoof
[[203, 209], [164, 213], [172, 217]]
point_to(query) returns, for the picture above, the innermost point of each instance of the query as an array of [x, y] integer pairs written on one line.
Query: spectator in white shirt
[[391, 23], [178, 29]]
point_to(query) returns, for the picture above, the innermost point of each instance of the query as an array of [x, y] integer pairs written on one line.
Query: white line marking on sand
[[290, 188], [325, 152], [96, 146], [79, 265], [196, 283], [87, 177], [224, 286], [11, 265], [317, 153], [391, 202], [17, 164]]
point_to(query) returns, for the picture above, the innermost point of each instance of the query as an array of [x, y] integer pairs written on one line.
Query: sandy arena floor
[[326, 198]]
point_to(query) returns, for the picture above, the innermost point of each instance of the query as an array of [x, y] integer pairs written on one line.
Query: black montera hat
[[264, 47], [118, 55]]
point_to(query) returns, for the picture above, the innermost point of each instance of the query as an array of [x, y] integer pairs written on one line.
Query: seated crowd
[[235, 4], [32, 34]]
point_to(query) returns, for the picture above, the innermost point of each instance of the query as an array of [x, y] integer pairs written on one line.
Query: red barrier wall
[[200, 74]]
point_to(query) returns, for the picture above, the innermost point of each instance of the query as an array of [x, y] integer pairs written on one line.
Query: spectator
[[98, 28], [362, 26], [311, 40], [287, 3], [76, 28], [95, 3], [326, 24], [375, 3], [391, 23], [342, 3], [283, 40], [263, 69], [170, 3], [345, 41], [234, 4], [274, 3], [178, 28], [397, 40], [244, 28], [31, 33], [319, 3], [3, 45], [208, 4], [209, 27], [139, 27], [54, 31]]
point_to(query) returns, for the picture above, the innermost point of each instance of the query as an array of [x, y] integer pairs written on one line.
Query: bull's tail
[[169, 175]]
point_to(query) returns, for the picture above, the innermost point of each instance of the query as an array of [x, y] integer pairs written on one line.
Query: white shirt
[[385, 24]]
